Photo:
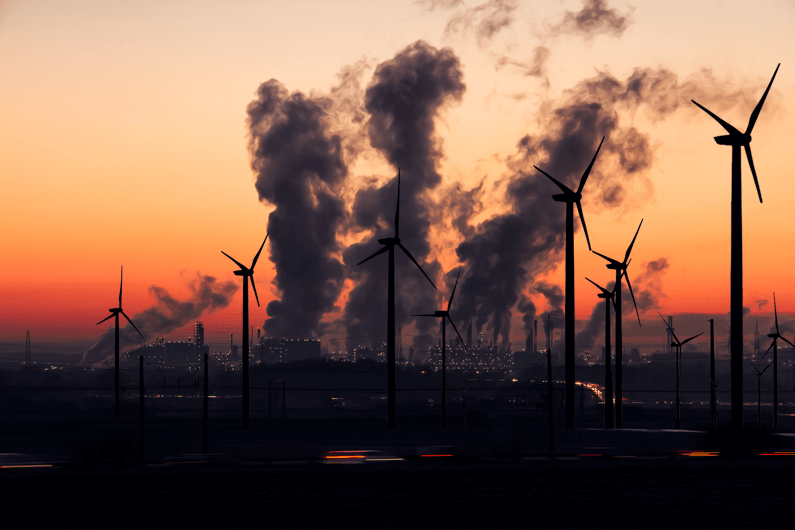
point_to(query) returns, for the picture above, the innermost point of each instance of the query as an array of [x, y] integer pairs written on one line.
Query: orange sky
[[124, 142]]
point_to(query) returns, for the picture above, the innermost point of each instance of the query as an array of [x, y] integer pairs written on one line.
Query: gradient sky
[[124, 141]]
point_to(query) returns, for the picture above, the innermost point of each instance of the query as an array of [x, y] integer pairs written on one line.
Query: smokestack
[[528, 343], [535, 335]]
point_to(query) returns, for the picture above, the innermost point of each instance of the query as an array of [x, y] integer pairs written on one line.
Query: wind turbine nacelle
[[772, 335], [115, 310], [562, 197], [239, 273], [732, 139], [440, 313], [389, 241]]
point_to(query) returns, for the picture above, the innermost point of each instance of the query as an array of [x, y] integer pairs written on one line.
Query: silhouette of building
[[271, 350], [482, 359]]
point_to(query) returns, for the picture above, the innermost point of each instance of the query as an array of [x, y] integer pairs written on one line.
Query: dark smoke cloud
[[168, 314], [300, 168], [403, 99], [761, 304], [595, 18]]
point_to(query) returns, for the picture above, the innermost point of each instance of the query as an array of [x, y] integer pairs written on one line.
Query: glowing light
[[431, 456], [25, 465]]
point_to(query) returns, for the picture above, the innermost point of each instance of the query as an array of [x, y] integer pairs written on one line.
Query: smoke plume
[[761, 304], [168, 314], [300, 168], [595, 18], [403, 99]]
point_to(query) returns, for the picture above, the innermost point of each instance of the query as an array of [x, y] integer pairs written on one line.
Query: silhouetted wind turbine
[[608, 398], [115, 312], [736, 140], [445, 315], [246, 273], [389, 246], [678, 345], [621, 270], [571, 198], [775, 336], [759, 394]]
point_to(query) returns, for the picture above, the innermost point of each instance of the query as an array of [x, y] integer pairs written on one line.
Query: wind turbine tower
[[246, 273], [445, 316], [115, 312], [738, 140], [571, 198], [775, 336], [621, 271], [389, 246]]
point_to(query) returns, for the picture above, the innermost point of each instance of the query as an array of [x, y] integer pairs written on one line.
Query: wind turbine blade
[[758, 108], [626, 256], [588, 171], [611, 260], [691, 338], [753, 169], [121, 282], [560, 185], [104, 319], [253, 263], [775, 312], [454, 287], [383, 249], [633, 298], [397, 208], [728, 127], [605, 291], [788, 342], [752, 364], [133, 325], [415, 262], [584, 228], [255, 289], [771, 346], [233, 259], [766, 367], [457, 333]]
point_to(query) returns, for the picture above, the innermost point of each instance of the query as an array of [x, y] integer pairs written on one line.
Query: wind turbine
[[608, 296], [246, 273], [759, 394], [389, 246], [571, 198], [115, 312], [445, 315], [676, 343], [775, 336], [621, 270], [736, 140]]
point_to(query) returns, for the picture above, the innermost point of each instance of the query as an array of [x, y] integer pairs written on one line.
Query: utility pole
[[713, 405]]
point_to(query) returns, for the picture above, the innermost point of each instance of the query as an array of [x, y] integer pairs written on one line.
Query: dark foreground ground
[[684, 493]]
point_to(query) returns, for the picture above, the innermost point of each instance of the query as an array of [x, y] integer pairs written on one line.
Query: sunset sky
[[124, 141]]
